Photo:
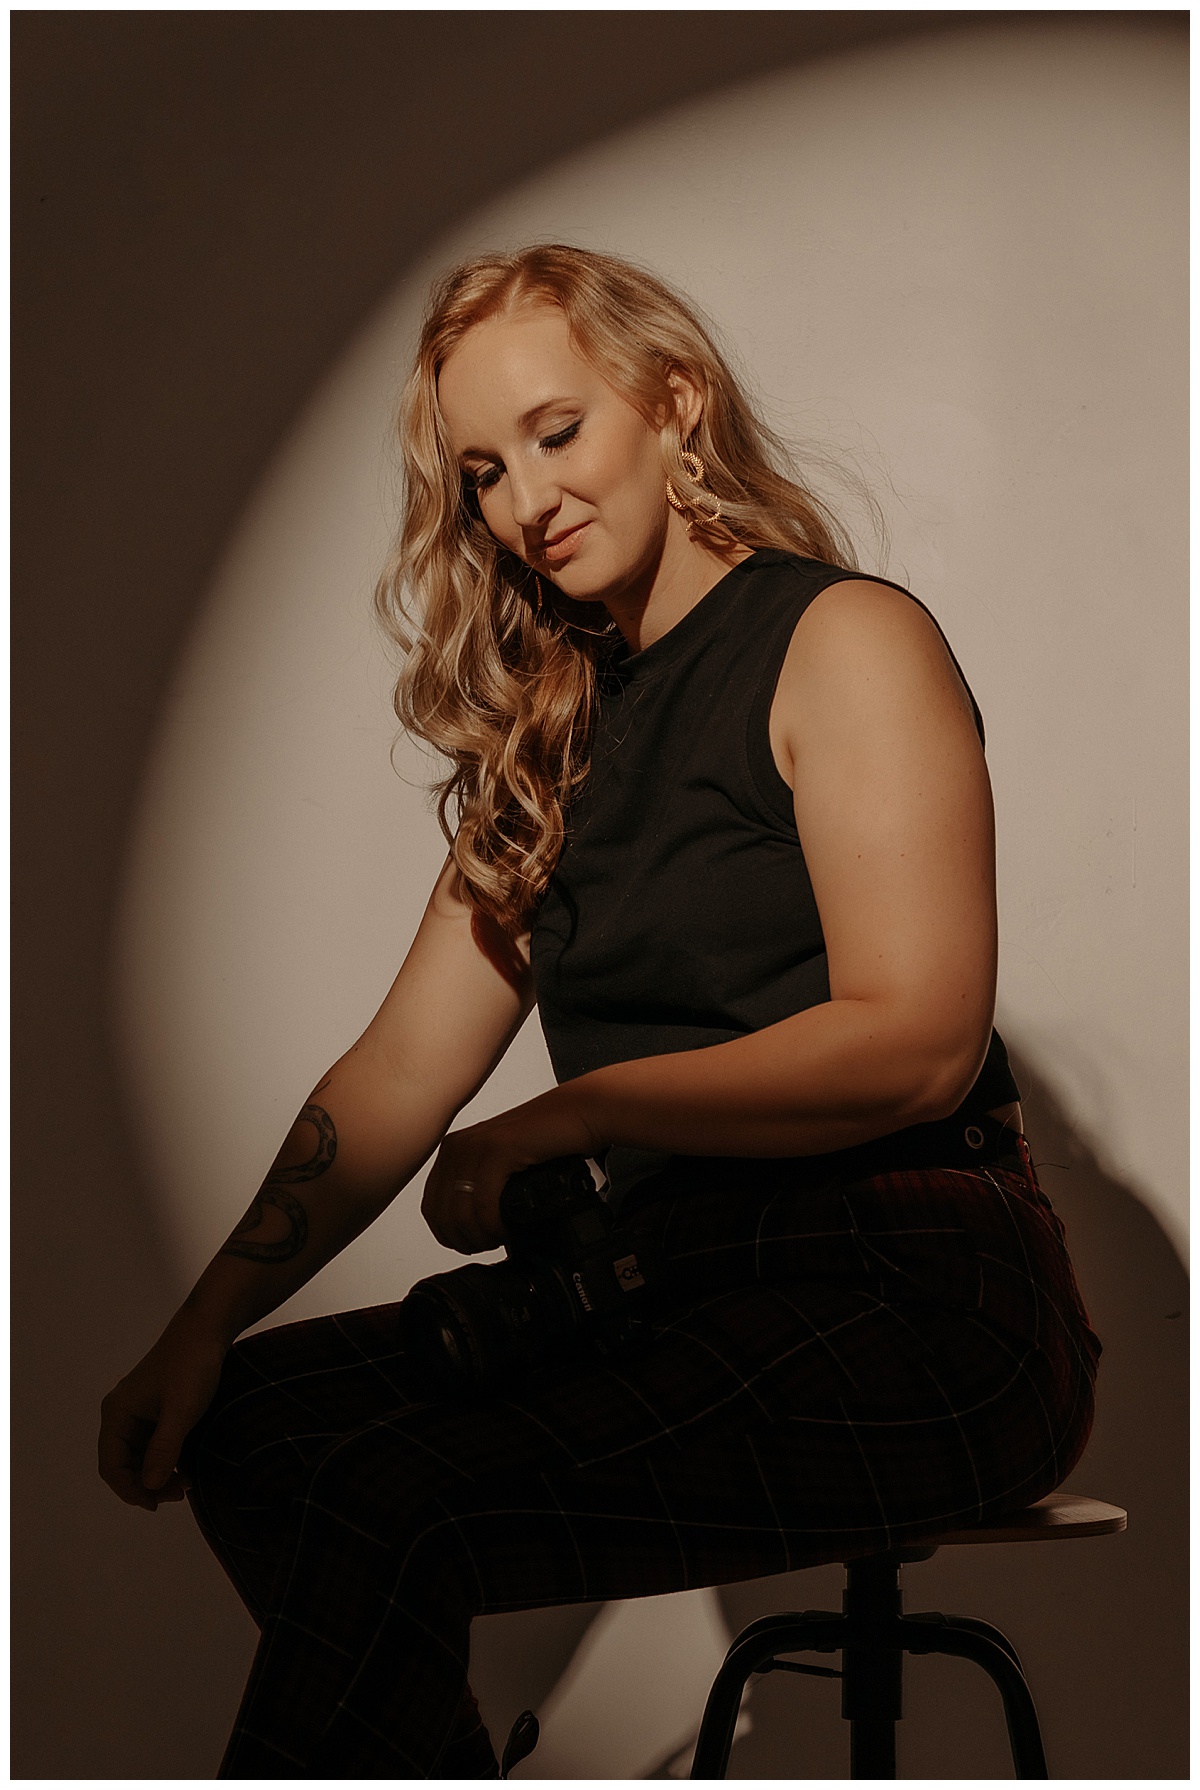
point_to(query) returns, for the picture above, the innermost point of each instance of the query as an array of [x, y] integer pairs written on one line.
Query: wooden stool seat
[[1062, 1516], [873, 1633]]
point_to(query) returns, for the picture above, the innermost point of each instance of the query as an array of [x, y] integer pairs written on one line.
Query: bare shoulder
[[863, 654], [861, 618]]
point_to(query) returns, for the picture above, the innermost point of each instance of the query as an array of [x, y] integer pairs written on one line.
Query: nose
[[534, 494]]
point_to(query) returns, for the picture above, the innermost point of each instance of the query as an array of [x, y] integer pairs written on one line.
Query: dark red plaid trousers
[[833, 1369]]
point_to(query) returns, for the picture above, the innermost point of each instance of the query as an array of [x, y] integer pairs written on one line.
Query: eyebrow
[[526, 421]]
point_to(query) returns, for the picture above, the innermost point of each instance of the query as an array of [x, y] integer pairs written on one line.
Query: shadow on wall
[[1101, 1626]]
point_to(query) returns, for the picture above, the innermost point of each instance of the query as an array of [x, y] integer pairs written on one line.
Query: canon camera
[[569, 1282]]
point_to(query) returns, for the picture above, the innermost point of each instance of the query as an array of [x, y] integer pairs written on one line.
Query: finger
[[446, 1209], [472, 1231], [436, 1210], [119, 1450], [463, 1191], [462, 1239], [122, 1436], [162, 1455], [482, 1223], [129, 1488], [461, 1201], [439, 1228], [174, 1491]]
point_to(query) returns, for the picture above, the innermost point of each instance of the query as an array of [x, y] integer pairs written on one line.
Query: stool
[[873, 1636]]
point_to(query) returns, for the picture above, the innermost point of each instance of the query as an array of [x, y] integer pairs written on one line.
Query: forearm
[[835, 1075], [360, 1137]]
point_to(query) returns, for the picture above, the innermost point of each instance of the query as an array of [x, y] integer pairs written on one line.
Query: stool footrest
[[873, 1637], [873, 1634], [789, 1665], [968, 1624]]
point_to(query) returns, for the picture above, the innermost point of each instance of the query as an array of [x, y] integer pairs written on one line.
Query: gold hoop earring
[[694, 467]]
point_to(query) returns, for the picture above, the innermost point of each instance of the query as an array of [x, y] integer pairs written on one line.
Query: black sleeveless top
[[680, 913]]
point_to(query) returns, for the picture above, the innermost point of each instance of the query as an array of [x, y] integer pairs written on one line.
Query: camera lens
[[476, 1326]]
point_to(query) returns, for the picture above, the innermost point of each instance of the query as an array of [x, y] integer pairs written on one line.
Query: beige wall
[[983, 283], [961, 259]]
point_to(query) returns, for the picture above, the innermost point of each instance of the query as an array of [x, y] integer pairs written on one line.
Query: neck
[[684, 572]]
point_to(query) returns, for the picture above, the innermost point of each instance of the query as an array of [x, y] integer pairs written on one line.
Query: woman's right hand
[[146, 1416]]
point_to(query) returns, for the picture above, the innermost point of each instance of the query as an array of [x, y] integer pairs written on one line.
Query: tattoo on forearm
[[322, 1156], [243, 1241], [273, 1195]]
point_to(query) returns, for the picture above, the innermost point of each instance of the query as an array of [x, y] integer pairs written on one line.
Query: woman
[[647, 654]]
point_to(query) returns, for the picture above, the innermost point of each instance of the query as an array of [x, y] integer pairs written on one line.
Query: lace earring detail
[[694, 466]]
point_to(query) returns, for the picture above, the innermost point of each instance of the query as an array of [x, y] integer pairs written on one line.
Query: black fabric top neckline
[[690, 628]]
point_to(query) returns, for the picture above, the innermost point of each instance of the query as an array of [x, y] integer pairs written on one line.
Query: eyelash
[[549, 444]]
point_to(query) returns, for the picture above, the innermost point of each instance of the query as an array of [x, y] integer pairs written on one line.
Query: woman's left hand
[[461, 1203]]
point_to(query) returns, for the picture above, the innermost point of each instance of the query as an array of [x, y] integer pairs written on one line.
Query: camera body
[[569, 1281]]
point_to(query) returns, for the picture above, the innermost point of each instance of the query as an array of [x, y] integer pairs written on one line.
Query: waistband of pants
[[962, 1141]]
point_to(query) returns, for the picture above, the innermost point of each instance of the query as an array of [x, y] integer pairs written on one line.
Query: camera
[[569, 1282]]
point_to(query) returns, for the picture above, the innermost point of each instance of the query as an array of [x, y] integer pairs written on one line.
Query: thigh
[[905, 1412], [285, 1393], [778, 1470], [759, 1430]]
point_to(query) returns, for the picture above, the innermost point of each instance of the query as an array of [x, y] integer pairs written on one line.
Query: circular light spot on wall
[[960, 260]]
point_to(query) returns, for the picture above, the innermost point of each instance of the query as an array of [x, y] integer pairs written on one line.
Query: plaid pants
[[830, 1370]]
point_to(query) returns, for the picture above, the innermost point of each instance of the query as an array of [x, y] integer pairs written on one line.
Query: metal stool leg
[[872, 1748], [964, 1637], [873, 1635], [872, 1665], [751, 1652], [972, 1625]]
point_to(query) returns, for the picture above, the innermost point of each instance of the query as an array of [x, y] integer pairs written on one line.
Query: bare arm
[[366, 1129], [364, 1132], [894, 809]]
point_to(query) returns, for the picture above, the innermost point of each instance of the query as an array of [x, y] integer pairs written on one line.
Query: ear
[[689, 403]]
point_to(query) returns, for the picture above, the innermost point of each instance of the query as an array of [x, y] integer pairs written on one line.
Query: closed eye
[[550, 444], [487, 476]]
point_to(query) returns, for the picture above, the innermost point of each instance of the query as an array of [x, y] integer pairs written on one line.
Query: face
[[568, 475]]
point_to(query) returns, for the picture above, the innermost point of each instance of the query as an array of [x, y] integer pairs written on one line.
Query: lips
[[563, 545]]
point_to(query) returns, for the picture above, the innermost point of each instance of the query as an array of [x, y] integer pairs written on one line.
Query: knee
[[436, 1582], [217, 1432], [241, 1452]]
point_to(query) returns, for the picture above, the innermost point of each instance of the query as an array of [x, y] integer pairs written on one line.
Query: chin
[[582, 582], [583, 590], [593, 576]]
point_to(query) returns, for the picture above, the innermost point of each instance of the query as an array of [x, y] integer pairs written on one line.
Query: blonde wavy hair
[[501, 670]]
